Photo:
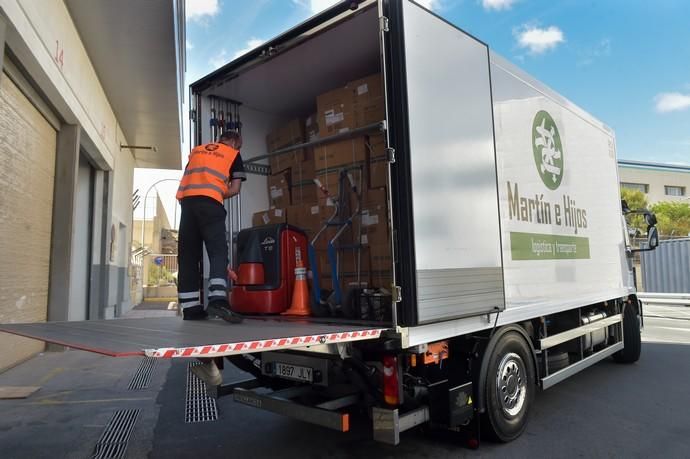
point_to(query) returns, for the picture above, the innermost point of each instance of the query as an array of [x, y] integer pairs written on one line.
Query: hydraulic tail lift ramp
[[171, 337]]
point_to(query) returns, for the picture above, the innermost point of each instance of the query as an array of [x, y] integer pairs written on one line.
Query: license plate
[[294, 372]]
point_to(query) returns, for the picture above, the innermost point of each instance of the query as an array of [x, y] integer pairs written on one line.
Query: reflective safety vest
[[207, 172]]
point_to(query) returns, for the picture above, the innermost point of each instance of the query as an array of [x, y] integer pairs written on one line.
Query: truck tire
[[632, 337], [558, 361], [510, 388]]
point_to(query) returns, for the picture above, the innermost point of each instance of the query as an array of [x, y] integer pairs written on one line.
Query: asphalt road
[[609, 410]]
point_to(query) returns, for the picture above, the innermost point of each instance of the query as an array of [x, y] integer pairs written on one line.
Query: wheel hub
[[511, 387]]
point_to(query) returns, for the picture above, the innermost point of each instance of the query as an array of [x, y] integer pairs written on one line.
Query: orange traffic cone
[[300, 292]]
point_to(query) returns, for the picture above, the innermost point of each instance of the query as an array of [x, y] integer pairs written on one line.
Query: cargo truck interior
[[322, 88]]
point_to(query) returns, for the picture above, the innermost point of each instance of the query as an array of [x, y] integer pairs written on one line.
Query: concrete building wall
[[46, 47], [121, 230], [655, 181]]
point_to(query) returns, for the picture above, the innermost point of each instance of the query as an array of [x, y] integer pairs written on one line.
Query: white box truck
[[511, 264]]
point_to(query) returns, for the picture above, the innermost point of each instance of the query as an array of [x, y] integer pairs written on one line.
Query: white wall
[[255, 126], [38, 32]]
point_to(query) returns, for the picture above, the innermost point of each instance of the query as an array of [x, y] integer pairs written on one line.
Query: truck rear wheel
[[510, 387], [631, 337]]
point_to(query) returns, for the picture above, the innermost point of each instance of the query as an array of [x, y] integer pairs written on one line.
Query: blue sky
[[626, 62]]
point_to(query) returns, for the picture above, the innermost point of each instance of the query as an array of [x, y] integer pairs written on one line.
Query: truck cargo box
[[499, 197]]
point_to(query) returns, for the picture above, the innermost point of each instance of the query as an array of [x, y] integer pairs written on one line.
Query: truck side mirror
[[652, 238]]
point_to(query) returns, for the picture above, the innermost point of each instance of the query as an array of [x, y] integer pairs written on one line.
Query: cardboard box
[[382, 279], [304, 171], [347, 282], [289, 160], [368, 102], [327, 186], [290, 133], [378, 172], [305, 193], [381, 257], [375, 199], [311, 127], [347, 262], [367, 90], [269, 217], [377, 176], [360, 103], [374, 217], [309, 217], [334, 110], [340, 154], [324, 238], [279, 190]]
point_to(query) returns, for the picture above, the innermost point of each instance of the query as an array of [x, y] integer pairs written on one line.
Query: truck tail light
[[391, 391]]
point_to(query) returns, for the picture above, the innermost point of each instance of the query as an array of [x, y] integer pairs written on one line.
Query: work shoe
[[194, 313], [208, 372], [222, 309]]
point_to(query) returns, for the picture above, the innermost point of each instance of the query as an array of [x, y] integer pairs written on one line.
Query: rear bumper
[[325, 414]]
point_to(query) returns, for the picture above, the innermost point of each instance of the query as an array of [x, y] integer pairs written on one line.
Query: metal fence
[[160, 269], [667, 269]]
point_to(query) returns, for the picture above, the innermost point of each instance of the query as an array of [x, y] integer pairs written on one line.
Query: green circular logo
[[548, 151]]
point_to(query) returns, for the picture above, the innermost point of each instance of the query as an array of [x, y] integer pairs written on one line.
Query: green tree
[[159, 274], [673, 218], [636, 200]]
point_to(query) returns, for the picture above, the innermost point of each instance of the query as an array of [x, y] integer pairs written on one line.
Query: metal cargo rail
[[171, 337]]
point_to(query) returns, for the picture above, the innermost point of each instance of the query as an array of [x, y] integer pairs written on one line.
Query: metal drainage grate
[[142, 377], [115, 438], [199, 407]]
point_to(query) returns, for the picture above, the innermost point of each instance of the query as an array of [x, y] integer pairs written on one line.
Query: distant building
[[658, 181], [89, 90], [159, 239], [156, 231]]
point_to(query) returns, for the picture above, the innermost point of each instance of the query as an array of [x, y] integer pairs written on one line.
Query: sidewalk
[[80, 392]]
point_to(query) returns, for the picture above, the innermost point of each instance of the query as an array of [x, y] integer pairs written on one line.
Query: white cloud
[[671, 102], [219, 59], [251, 44], [222, 57], [198, 10], [428, 4], [189, 45], [601, 49], [538, 40], [320, 5], [498, 5]]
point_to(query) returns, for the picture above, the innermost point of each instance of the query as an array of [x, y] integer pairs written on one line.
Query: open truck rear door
[[170, 337]]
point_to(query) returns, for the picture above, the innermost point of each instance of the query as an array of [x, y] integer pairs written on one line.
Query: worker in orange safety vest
[[215, 172]]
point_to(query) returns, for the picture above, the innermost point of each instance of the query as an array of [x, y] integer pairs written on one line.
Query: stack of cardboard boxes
[[306, 183]]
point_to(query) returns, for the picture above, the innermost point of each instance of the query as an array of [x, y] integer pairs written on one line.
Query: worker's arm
[[234, 188], [237, 176]]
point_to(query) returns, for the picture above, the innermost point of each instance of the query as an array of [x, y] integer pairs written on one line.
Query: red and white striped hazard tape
[[219, 350]]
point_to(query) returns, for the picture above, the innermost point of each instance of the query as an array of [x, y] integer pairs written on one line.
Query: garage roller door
[[27, 152]]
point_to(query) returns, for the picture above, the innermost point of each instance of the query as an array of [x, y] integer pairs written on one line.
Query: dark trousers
[[202, 221]]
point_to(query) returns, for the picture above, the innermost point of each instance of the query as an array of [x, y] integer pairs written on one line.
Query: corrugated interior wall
[[27, 149]]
